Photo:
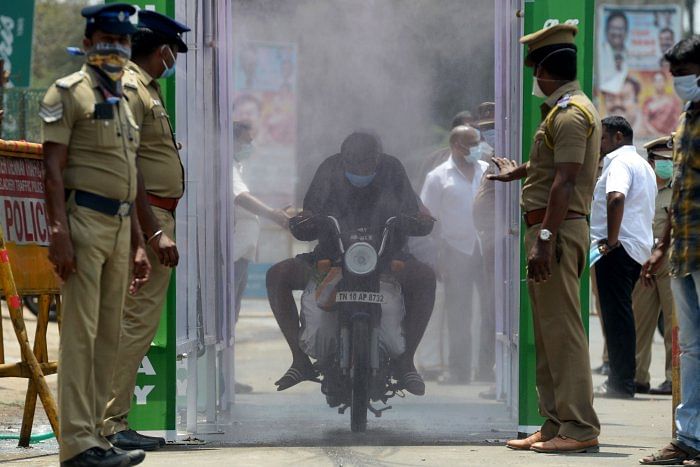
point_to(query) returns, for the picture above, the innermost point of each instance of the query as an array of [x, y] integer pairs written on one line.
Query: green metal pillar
[[537, 12], [153, 405]]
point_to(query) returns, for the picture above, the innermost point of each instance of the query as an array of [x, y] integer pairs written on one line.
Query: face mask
[[664, 169], [474, 154], [110, 58], [168, 71], [490, 137], [536, 90], [687, 87], [359, 181], [244, 153]]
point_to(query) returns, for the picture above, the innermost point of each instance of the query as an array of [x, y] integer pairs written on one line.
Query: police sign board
[[23, 217], [22, 205]]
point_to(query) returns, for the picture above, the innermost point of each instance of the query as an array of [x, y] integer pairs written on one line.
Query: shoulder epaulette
[[129, 79], [70, 80], [130, 84], [565, 102]]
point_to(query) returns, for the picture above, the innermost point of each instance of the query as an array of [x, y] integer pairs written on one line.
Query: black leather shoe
[[664, 389], [641, 388], [99, 457], [604, 390], [129, 439], [136, 456], [161, 441]]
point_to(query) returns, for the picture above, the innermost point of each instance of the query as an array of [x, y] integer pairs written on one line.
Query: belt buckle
[[124, 209]]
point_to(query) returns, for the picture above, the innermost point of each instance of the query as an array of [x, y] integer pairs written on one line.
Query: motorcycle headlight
[[361, 258]]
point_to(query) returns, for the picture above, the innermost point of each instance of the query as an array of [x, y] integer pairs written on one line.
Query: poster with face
[[632, 78], [265, 98]]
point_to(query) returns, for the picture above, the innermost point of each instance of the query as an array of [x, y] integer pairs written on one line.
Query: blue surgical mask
[[474, 154], [664, 169], [168, 71], [359, 181], [244, 152], [686, 87]]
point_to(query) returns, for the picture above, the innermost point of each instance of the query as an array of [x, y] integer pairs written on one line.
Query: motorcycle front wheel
[[360, 375]]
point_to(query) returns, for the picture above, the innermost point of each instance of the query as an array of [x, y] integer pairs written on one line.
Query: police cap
[[547, 40], [112, 18], [660, 147], [164, 26], [487, 114]]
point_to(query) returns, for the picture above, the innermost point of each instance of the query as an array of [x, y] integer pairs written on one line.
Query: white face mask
[[687, 87], [536, 90], [474, 154]]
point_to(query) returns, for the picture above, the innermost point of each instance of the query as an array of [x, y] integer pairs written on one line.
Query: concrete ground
[[293, 427]]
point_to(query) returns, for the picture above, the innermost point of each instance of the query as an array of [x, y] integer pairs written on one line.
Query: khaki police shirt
[[574, 140], [158, 158], [663, 201], [101, 151]]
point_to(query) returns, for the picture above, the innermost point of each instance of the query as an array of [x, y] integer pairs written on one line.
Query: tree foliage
[[57, 25]]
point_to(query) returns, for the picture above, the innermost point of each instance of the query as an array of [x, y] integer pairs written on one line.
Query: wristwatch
[[545, 235]]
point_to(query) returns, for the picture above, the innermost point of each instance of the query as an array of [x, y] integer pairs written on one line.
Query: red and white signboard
[[22, 205]]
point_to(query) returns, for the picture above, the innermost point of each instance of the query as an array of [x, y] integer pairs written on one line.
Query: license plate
[[359, 297]]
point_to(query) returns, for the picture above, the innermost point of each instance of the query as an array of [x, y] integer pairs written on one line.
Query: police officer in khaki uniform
[[648, 302], [161, 176], [90, 140], [556, 198]]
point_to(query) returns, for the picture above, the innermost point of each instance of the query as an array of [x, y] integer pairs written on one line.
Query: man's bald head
[[463, 137]]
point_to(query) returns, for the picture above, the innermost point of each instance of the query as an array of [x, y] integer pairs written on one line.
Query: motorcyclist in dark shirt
[[359, 186]]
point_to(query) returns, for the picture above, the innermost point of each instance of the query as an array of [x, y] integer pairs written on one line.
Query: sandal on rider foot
[[294, 376], [412, 382]]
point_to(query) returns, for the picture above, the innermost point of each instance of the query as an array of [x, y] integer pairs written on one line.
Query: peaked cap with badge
[[540, 44], [114, 18], [164, 26], [661, 147]]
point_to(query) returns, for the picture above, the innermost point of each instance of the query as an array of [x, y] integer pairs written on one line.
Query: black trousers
[[616, 274]]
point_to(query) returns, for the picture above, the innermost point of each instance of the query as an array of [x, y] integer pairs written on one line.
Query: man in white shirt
[[449, 193], [621, 229], [246, 225]]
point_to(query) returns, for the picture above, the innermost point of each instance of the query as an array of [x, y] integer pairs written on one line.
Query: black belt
[[109, 206]]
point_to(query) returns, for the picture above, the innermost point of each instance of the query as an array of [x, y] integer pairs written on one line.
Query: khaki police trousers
[[647, 303], [139, 326], [93, 297], [564, 382]]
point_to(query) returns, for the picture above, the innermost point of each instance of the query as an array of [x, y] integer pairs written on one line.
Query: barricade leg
[[41, 353]]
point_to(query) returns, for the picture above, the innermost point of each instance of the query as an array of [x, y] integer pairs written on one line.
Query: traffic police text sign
[[22, 205]]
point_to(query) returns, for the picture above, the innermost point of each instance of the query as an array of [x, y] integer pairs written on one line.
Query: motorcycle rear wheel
[[360, 375]]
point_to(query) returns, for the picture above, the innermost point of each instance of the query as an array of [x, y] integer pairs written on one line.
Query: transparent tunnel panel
[[372, 87]]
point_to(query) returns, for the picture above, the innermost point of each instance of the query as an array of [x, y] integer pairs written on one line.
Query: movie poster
[[632, 77], [265, 97]]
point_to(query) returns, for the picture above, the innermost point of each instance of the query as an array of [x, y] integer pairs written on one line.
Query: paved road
[[450, 425]]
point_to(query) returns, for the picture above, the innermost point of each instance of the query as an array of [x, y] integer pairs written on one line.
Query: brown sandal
[[674, 453]]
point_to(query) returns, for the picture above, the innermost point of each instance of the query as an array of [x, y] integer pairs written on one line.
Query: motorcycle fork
[[374, 349], [349, 312]]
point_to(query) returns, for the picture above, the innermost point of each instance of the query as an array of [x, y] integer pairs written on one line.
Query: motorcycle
[[360, 371]]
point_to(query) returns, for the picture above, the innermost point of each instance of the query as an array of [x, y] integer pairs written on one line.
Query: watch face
[[545, 234]]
